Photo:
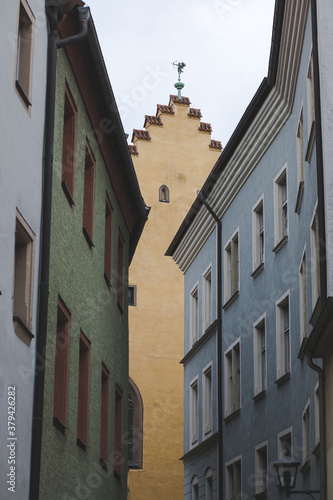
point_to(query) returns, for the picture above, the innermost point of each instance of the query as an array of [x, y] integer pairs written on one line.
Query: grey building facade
[[250, 250]]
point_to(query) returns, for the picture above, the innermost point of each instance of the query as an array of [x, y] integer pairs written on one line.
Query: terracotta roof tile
[[153, 120], [140, 134], [165, 109], [194, 113], [183, 100], [215, 145], [133, 150], [205, 127]]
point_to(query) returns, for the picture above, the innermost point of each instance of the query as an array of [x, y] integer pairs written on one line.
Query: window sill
[[261, 494], [258, 269], [107, 281], [260, 395], [59, 424], [283, 379], [280, 244], [67, 192], [22, 93], [232, 415], [299, 197], [305, 468], [231, 300], [311, 141], [81, 444], [88, 238], [22, 331]]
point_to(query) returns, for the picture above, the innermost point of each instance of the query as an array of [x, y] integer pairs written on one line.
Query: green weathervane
[[179, 85]]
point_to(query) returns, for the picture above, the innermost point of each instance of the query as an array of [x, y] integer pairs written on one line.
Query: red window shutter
[[83, 399], [88, 196], [68, 145], [120, 276], [104, 415], [118, 430], [108, 239], [61, 368]]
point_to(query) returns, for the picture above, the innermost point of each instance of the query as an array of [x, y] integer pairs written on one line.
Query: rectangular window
[[317, 414], [132, 295], [261, 464], [25, 35], [207, 299], [120, 274], [68, 147], [194, 412], [310, 96], [285, 444], [303, 299], [300, 162], [194, 315], [231, 268], [88, 196], [22, 299], [315, 276], [260, 365], [108, 242], [207, 399], [283, 336], [233, 480], [61, 368], [209, 485], [104, 417], [280, 209], [306, 434], [118, 431], [232, 379], [258, 238], [83, 398]]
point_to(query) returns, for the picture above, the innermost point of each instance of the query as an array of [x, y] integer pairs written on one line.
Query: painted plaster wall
[[198, 467], [77, 276], [325, 43], [178, 156], [21, 155]]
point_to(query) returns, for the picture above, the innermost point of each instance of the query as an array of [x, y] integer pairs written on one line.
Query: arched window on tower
[[164, 194], [135, 426]]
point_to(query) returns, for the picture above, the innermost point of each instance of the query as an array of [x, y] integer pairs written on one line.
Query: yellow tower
[[172, 157]]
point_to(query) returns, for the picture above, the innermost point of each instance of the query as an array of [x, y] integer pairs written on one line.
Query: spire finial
[[179, 85]]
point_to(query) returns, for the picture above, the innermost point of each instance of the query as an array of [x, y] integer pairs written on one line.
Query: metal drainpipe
[[219, 348], [322, 426], [43, 287]]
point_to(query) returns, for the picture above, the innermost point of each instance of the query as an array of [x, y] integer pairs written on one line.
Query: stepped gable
[[194, 113], [141, 134], [215, 145], [133, 150], [152, 120], [184, 100], [205, 127], [161, 108]]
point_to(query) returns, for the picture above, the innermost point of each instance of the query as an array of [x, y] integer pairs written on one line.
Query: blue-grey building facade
[[249, 249]]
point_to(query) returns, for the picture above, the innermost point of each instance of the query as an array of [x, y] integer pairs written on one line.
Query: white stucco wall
[[21, 152], [325, 42]]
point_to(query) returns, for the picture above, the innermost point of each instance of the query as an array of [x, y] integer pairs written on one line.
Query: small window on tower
[[164, 194]]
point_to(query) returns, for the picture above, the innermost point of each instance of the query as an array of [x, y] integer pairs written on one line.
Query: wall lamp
[[286, 469]]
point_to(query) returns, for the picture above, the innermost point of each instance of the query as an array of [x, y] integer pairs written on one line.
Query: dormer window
[[164, 195]]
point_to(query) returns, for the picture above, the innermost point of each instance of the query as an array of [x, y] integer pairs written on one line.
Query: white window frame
[[24, 53], [281, 446], [317, 413], [258, 235], [303, 321], [194, 314], [283, 329], [300, 146], [231, 267], [195, 488], [207, 298], [209, 484], [194, 412], [232, 379], [260, 355], [234, 484], [315, 269], [207, 399], [306, 434], [281, 209], [310, 94], [261, 470]]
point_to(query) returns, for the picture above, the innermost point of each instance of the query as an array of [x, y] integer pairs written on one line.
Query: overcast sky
[[225, 45]]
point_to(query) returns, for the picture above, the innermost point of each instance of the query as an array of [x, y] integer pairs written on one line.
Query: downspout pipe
[[322, 427], [43, 287], [219, 345]]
